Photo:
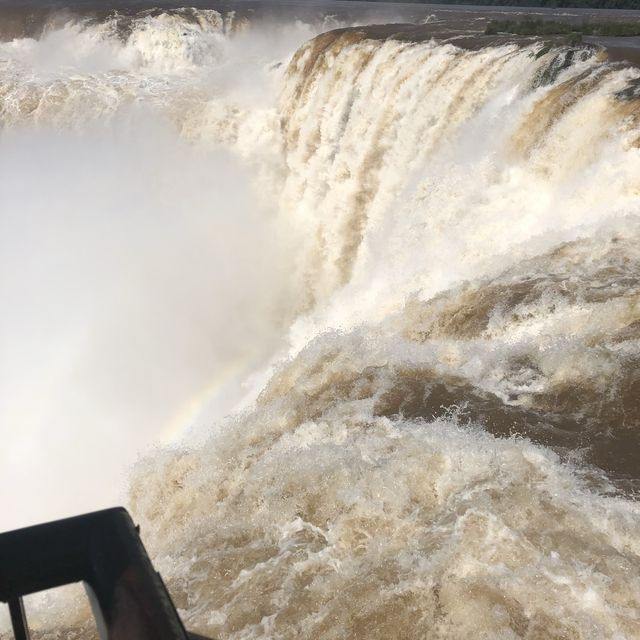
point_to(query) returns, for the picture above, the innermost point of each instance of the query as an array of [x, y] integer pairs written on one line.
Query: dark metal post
[[18, 619]]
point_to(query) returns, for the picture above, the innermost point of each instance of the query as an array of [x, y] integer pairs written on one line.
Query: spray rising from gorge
[[408, 274]]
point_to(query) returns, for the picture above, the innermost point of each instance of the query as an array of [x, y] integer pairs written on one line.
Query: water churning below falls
[[379, 299]]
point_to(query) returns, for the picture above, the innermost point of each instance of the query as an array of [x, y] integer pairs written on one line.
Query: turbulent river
[[369, 306]]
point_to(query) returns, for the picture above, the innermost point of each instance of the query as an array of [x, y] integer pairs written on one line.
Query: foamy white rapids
[[435, 431], [415, 167], [207, 73], [350, 526]]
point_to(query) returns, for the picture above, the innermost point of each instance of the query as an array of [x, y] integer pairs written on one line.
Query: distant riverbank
[[547, 4]]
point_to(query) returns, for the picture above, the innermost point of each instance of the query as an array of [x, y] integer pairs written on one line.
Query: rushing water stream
[[378, 299]]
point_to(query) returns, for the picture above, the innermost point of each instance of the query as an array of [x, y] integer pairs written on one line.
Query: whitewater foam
[[422, 259]]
